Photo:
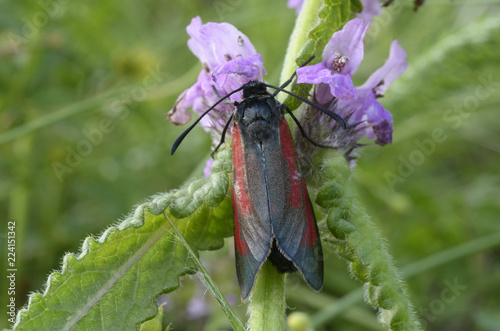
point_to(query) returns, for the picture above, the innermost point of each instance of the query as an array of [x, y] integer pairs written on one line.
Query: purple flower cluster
[[230, 60], [333, 89]]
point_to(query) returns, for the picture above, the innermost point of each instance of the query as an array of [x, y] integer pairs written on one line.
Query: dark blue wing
[[252, 226], [292, 216]]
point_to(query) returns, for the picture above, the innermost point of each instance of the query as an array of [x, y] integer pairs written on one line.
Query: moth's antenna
[[318, 107], [183, 135], [302, 131], [285, 84], [223, 135]]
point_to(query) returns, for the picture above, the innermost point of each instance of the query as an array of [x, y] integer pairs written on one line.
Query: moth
[[273, 216]]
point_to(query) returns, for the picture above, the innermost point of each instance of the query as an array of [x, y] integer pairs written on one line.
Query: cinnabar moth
[[273, 215]]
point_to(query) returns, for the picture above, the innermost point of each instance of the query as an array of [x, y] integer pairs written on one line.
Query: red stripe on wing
[[242, 199], [241, 245], [288, 149], [310, 235]]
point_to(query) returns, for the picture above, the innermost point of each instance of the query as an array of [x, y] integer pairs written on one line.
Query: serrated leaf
[[114, 281]]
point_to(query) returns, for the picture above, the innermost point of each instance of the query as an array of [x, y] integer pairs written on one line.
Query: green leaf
[[361, 244], [114, 281], [356, 6], [155, 323]]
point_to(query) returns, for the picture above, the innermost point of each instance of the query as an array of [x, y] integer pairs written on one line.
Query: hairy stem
[[298, 38], [268, 300]]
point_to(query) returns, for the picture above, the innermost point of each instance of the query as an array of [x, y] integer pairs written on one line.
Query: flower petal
[[369, 117], [371, 8], [347, 42], [393, 68], [233, 74], [217, 43], [340, 85], [311, 74], [380, 121], [383, 131], [376, 113], [178, 114], [250, 66], [200, 94], [229, 61]]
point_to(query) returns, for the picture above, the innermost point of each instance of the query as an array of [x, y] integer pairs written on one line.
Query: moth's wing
[[252, 226], [292, 216]]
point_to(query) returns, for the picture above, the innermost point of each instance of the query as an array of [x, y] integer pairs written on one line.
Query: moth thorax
[[254, 88], [257, 111]]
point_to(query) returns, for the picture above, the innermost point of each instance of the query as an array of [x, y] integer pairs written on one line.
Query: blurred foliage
[[69, 70]]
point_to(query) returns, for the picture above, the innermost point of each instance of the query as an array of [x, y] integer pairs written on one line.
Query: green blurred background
[[76, 77]]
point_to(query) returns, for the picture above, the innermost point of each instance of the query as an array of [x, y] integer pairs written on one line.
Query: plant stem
[[298, 38], [208, 282], [268, 300]]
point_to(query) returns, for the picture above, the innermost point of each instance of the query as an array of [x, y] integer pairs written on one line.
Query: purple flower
[[362, 112], [229, 61], [341, 58], [371, 8], [392, 69]]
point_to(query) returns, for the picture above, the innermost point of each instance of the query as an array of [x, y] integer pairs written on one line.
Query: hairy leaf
[[114, 281], [359, 242]]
